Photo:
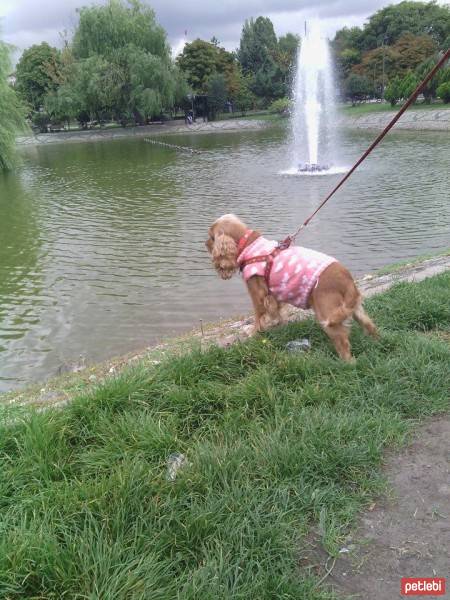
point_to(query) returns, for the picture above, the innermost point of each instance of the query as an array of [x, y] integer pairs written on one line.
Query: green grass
[[366, 108], [400, 265], [278, 444]]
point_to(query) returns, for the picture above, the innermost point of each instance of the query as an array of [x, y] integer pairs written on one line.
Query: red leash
[[290, 238]]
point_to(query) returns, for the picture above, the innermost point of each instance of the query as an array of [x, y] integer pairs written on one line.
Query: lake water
[[101, 244]]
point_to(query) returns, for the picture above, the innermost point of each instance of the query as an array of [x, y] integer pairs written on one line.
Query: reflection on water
[[102, 244]]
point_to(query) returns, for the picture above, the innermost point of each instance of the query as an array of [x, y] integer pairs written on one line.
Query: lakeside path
[[170, 127], [416, 120], [81, 378]]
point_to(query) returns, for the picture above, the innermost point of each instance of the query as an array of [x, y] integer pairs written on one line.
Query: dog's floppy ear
[[224, 254]]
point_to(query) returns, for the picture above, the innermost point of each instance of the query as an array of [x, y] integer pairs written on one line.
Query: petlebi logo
[[422, 586]]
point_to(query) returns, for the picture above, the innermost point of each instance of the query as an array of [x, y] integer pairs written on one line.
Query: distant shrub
[[357, 88], [393, 91], [443, 92], [280, 106]]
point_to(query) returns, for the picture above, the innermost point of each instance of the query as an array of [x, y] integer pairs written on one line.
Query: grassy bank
[[399, 266], [375, 107], [278, 445]]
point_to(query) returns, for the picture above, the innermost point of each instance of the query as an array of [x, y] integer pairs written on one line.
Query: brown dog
[[274, 277]]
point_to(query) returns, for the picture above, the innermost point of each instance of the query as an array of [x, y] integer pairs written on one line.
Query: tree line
[[393, 51], [118, 66]]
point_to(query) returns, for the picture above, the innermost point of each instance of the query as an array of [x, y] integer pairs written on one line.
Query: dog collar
[[242, 243]]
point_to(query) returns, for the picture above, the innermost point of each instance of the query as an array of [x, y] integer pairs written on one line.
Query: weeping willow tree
[[11, 112], [124, 63]]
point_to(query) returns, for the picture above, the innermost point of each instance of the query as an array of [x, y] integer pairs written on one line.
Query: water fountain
[[313, 120]]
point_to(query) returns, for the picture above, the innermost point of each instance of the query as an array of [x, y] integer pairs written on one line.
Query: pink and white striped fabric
[[294, 273]]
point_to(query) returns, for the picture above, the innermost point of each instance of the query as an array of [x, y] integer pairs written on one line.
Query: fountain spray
[[313, 121]]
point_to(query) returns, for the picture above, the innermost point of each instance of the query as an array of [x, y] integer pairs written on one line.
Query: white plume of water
[[313, 121]]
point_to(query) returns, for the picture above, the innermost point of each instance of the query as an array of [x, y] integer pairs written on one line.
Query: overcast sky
[[27, 22]]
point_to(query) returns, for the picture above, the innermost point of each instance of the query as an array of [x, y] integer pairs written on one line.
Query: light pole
[[384, 66]]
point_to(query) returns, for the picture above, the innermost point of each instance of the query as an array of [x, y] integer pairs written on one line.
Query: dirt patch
[[407, 533]]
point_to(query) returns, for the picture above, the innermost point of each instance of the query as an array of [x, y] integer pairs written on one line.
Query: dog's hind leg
[[365, 321], [335, 318], [339, 336]]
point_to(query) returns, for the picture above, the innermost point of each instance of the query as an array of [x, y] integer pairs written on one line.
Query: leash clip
[[284, 244]]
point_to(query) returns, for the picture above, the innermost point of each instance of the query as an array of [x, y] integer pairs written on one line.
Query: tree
[[257, 55], [411, 50], [286, 54], [393, 91], [257, 46], [60, 106], [217, 92], [244, 98], [429, 91], [347, 59], [200, 60], [227, 64], [418, 18], [34, 73], [102, 30], [408, 85], [123, 62], [282, 106], [396, 39], [444, 74], [382, 64], [357, 88], [11, 112], [286, 57], [443, 91]]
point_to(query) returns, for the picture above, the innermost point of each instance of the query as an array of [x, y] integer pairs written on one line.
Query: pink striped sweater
[[295, 271]]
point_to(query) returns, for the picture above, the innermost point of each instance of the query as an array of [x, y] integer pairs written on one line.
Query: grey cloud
[[30, 21]]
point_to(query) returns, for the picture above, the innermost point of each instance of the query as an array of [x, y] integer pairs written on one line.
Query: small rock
[[112, 370], [298, 346], [92, 377]]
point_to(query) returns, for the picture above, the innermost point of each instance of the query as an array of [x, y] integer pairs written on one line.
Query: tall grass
[[276, 444]]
